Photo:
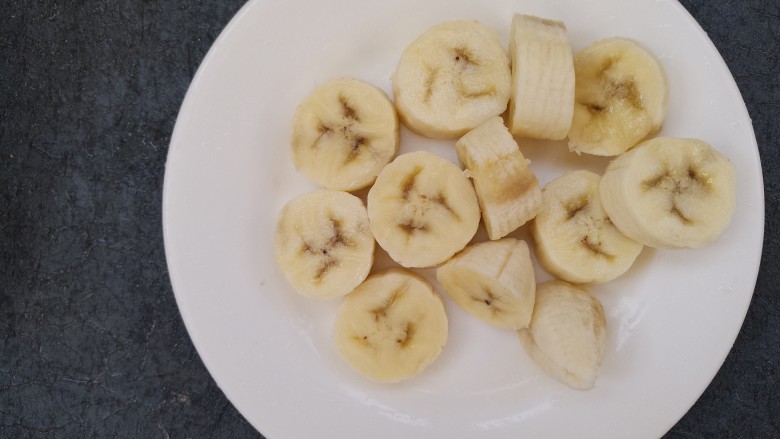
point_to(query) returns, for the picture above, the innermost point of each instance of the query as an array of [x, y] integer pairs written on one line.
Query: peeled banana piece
[[574, 238], [452, 78], [422, 209], [542, 102], [494, 281], [620, 97], [391, 327], [344, 133], [670, 193], [507, 190], [567, 334], [324, 244]]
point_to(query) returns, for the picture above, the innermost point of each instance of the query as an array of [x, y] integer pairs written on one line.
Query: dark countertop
[[91, 341]]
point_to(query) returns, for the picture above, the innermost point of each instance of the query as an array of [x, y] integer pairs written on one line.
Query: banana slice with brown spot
[[422, 209], [620, 97], [494, 281], [344, 133], [670, 192], [567, 334], [391, 327], [452, 78], [507, 189], [324, 244], [573, 236]]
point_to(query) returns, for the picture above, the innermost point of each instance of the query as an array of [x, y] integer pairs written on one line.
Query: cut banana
[[422, 209], [669, 192], [391, 327], [567, 335], [324, 244], [507, 190], [344, 133], [620, 97], [452, 78], [542, 102], [574, 238], [493, 281]]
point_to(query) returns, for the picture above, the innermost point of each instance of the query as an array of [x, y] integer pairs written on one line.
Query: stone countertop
[[91, 341]]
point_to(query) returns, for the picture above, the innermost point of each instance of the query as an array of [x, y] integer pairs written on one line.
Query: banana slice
[[451, 79], [422, 209], [391, 327], [507, 190], [567, 334], [542, 102], [620, 97], [324, 244], [669, 192], [344, 133], [575, 240], [494, 281]]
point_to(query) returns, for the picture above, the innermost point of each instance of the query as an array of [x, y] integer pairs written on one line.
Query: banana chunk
[[542, 102], [324, 244], [507, 190], [494, 281], [422, 209], [575, 240], [344, 133], [670, 193], [452, 78], [567, 334], [391, 327], [620, 97]]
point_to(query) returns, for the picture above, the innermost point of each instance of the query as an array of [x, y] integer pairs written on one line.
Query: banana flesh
[[391, 327], [620, 97], [323, 243], [670, 193], [574, 238], [452, 78], [507, 190], [422, 209], [567, 334], [344, 133], [494, 281], [542, 102]]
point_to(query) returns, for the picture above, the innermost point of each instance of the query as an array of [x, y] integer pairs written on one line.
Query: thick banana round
[[669, 192], [324, 244], [567, 334], [494, 281], [507, 190], [542, 102], [574, 238], [620, 97], [452, 78], [391, 327], [344, 133], [422, 209]]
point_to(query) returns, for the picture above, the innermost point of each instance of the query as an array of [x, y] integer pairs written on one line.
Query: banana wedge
[[542, 102], [494, 281], [324, 244], [620, 97], [567, 334], [452, 78], [422, 209], [507, 190], [344, 133], [574, 238], [669, 192], [391, 327]]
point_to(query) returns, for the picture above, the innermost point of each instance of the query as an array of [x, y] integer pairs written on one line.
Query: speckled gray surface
[[91, 342]]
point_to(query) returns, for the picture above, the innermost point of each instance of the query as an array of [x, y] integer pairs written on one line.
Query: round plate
[[671, 319]]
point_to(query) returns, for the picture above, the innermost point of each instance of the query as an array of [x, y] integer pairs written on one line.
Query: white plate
[[672, 319]]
